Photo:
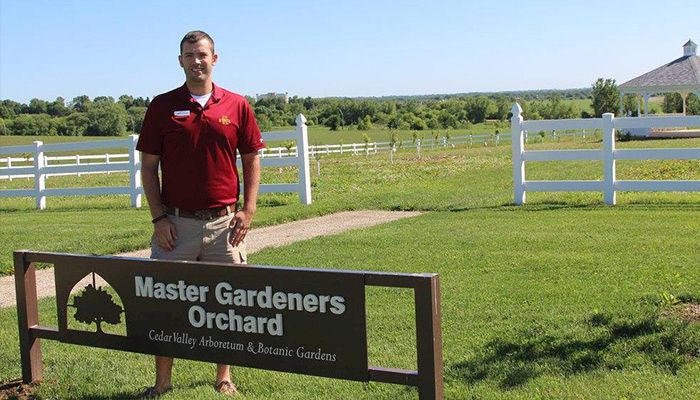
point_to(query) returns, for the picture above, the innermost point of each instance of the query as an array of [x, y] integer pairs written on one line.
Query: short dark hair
[[196, 36]]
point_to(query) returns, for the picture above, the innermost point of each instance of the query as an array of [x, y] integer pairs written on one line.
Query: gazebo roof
[[682, 74]]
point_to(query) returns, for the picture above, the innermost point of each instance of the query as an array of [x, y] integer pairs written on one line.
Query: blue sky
[[336, 48]]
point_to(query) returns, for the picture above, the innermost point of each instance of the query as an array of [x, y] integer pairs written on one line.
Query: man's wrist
[[158, 218], [249, 210]]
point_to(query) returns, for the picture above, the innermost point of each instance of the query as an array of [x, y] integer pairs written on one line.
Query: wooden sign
[[305, 321]]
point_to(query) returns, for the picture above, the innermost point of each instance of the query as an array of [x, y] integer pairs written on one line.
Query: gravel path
[[258, 239]]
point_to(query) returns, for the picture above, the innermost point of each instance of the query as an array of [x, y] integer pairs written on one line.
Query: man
[[193, 132]]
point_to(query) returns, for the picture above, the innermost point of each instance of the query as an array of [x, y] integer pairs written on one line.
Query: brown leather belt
[[205, 215]]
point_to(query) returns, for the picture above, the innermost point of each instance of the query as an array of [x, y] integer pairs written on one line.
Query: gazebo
[[681, 75]]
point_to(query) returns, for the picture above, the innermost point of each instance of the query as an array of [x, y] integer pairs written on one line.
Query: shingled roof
[[682, 72]]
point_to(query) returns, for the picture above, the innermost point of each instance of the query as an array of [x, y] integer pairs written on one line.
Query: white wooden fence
[[40, 168], [301, 160], [608, 154], [373, 148], [11, 163]]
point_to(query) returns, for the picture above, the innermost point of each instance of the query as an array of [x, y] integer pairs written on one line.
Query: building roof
[[681, 73]]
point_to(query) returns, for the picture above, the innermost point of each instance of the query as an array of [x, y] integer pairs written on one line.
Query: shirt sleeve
[[150, 140], [250, 139]]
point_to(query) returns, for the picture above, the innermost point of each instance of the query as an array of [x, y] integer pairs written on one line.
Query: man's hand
[[165, 233], [240, 224]]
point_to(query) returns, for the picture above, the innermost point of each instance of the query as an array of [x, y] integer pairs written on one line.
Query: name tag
[[185, 113]]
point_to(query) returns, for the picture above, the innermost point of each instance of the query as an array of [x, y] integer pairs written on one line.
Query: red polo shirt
[[197, 146]]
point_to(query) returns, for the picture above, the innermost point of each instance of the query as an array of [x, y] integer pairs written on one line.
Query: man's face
[[197, 60]]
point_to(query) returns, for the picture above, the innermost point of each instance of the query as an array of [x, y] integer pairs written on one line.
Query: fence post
[[134, 172], [27, 316], [518, 147], [9, 167], [107, 162], [429, 339], [610, 195], [303, 159], [39, 176]]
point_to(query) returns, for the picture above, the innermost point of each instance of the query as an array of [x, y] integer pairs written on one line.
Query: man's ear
[[215, 58], [179, 59]]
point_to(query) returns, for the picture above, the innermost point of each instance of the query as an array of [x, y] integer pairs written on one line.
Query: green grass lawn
[[563, 298]]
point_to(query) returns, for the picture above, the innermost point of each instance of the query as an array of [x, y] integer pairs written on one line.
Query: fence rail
[[608, 124], [39, 167]]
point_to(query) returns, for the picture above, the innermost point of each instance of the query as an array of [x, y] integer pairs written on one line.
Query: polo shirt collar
[[216, 93]]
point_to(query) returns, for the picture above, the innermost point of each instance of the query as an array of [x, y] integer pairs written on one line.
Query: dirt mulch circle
[[16, 390], [689, 312]]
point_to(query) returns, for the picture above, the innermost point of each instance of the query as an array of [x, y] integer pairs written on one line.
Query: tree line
[[82, 116], [105, 116]]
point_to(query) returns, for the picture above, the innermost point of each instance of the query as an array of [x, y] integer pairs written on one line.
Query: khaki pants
[[199, 240]]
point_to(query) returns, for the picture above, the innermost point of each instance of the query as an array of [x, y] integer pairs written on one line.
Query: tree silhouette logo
[[95, 305]]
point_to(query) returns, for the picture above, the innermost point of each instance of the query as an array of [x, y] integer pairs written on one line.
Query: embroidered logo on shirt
[[185, 113], [224, 120]]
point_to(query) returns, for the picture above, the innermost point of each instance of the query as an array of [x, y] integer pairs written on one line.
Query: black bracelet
[[156, 219]]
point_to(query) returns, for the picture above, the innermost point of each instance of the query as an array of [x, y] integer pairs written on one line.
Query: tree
[[606, 97], [414, 122], [57, 108], [393, 140], [629, 105], [81, 103], [127, 100], [692, 104], [503, 106], [11, 108], [136, 116], [106, 119], [396, 122], [365, 123], [141, 102], [447, 119], [4, 129], [334, 122], [264, 122], [34, 124], [478, 108], [6, 111], [75, 124], [366, 139], [673, 103], [37, 106], [103, 99]]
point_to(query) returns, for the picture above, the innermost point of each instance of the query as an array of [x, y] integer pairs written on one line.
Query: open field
[[563, 298]]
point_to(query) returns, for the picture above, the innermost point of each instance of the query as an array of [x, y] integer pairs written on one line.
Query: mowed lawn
[[561, 298]]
